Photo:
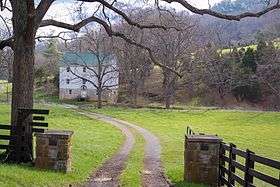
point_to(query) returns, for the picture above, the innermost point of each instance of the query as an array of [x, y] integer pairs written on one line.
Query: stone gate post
[[202, 159], [53, 150]]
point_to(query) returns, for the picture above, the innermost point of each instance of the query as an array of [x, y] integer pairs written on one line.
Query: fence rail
[[248, 168], [22, 115]]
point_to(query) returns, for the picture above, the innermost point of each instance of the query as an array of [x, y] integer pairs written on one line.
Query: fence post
[[249, 164], [222, 164], [231, 168]]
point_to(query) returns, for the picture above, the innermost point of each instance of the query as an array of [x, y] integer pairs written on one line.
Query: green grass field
[[4, 88], [258, 131], [93, 142]]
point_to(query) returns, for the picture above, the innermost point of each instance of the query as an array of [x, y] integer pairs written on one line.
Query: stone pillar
[[53, 150], [202, 159]]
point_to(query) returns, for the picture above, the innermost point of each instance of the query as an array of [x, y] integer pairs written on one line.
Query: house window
[[70, 92], [83, 87], [67, 81], [84, 69], [68, 69], [84, 81]]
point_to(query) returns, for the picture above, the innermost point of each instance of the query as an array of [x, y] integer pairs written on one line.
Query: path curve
[[153, 174], [108, 174]]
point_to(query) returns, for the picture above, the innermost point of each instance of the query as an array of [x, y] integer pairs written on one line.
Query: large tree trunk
[[23, 70], [99, 89], [167, 101], [135, 96], [99, 99], [168, 88]]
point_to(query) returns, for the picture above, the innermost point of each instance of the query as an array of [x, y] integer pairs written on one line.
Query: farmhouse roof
[[80, 58]]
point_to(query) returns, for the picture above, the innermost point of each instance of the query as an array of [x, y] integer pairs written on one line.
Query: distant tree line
[[248, 74]]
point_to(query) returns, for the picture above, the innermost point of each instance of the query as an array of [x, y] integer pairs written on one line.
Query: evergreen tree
[[236, 55], [249, 60], [52, 53], [245, 86], [47, 73], [265, 52]]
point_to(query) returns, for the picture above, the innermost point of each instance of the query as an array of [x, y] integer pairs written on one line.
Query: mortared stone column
[[53, 150], [202, 159]]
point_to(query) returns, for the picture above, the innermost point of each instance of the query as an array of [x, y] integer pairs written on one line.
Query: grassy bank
[[93, 142]]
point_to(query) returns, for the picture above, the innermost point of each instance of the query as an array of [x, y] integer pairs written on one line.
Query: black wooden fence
[[19, 135], [229, 174], [190, 131]]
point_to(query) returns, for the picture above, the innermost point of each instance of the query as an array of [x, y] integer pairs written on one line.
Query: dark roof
[[78, 58]]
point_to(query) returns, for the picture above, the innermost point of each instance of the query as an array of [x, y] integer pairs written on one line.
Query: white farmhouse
[[77, 77]]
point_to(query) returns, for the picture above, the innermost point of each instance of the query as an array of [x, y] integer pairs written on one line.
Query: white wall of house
[[72, 87]]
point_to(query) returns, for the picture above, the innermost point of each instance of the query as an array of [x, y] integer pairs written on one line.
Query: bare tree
[[214, 70], [174, 49], [134, 65]]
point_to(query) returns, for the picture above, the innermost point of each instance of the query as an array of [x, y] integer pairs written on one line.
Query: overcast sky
[[203, 3]]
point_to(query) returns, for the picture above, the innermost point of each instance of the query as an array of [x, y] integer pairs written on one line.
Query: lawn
[[258, 131], [93, 142], [4, 88]]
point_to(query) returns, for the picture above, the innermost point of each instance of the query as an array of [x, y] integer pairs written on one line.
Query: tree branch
[[41, 10], [3, 6], [195, 10], [6, 43], [59, 35], [126, 17], [75, 27], [81, 77]]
